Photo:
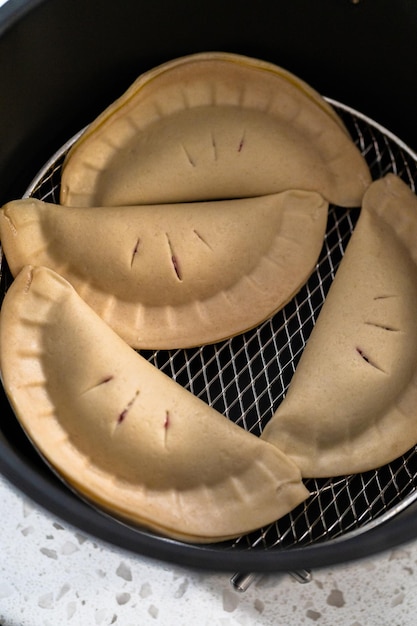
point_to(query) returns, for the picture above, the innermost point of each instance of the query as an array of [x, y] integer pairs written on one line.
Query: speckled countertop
[[50, 574]]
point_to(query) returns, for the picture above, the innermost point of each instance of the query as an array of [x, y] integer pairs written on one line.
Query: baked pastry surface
[[123, 434], [352, 403], [213, 126], [174, 276]]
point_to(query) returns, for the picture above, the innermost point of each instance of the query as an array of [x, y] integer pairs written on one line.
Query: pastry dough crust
[[213, 126], [123, 434], [352, 403], [174, 276]]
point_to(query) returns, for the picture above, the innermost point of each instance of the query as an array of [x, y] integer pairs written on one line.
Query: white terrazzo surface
[[51, 574]]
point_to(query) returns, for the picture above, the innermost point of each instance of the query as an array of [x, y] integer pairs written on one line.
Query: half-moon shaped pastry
[[122, 433], [213, 126], [352, 403], [174, 276]]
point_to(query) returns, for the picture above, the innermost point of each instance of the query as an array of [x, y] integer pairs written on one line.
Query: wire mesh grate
[[246, 377]]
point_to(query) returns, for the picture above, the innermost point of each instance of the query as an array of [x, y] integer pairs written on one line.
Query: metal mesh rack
[[246, 377]]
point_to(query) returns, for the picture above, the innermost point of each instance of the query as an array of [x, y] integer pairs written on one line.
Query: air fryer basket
[[245, 378]]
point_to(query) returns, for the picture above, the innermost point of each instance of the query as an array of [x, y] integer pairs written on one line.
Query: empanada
[[122, 433], [213, 126], [171, 276], [352, 403]]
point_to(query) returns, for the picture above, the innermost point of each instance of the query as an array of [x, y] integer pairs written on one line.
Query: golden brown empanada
[[352, 403], [122, 433], [172, 276], [213, 126]]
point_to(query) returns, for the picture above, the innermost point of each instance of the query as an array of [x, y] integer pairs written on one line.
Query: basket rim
[[52, 496], [55, 497]]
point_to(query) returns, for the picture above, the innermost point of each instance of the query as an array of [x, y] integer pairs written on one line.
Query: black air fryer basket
[[61, 63]]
